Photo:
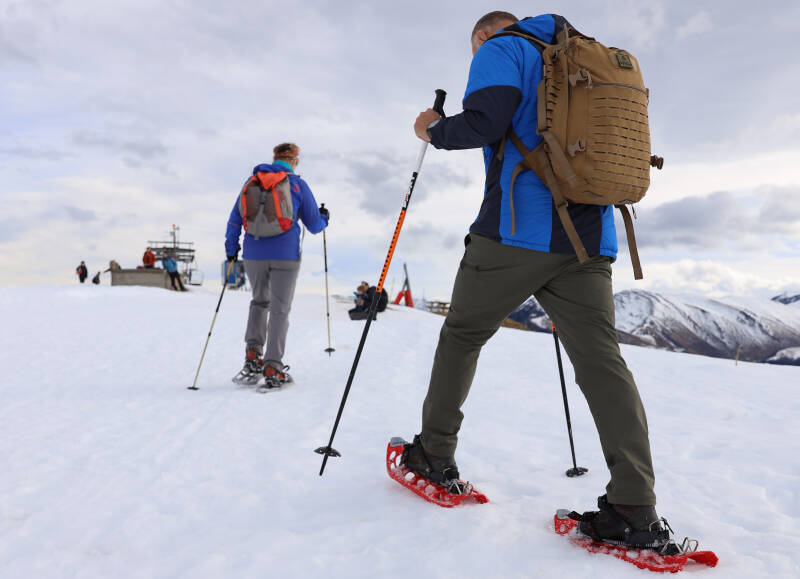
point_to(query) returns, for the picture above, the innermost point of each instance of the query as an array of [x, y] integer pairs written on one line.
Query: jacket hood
[[271, 168]]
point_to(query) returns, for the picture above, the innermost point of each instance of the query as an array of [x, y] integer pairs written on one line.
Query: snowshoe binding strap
[[447, 478], [657, 537]]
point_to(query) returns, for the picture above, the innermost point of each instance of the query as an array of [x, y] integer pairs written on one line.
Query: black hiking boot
[[634, 526], [439, 470], [252, 370]]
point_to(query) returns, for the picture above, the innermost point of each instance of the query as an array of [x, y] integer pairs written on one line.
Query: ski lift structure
[[182, 252]]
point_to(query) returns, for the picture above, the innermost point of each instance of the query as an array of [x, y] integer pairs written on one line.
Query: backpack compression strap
[[538, 162]]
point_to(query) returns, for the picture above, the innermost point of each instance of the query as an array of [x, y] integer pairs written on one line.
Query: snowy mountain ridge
[[752, 329], [788, 299]]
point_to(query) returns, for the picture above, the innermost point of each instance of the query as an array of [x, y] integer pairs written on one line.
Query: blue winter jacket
[[502, 91], [169, 264], [286, 245]]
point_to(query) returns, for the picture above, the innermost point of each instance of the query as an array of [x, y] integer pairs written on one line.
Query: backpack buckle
[[578, 147], [581, 75]]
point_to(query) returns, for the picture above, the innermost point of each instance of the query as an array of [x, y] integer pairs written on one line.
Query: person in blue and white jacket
[[272, 265], [504, 265], [171, 266]]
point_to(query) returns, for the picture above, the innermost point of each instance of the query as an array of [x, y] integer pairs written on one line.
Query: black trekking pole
[[575, 470], [214, 319], [329, 350], [327, 451]]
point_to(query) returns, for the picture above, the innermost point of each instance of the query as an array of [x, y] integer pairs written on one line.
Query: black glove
[[235, 256], [324, 211]]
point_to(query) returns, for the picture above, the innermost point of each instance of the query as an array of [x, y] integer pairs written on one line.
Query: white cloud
[[740, 171], [146, 121], [709, 278], [697, 23]]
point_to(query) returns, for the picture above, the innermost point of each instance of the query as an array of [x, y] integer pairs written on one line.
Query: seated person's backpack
[[383, 300], [592, 117], [265, 204]]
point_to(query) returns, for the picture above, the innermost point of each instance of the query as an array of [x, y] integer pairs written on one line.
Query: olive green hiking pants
[[493, 280]]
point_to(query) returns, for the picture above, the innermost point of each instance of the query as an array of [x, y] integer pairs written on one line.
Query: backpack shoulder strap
[[537, 161], [538, 42]]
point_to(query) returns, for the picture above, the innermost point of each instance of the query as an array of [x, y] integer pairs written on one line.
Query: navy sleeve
[[309, 212], [494, 90], [234, 230], [487, 115]]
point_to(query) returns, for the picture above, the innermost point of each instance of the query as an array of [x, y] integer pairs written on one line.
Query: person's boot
[[441, 470], [637, 526], [253, 368], [275, 374]]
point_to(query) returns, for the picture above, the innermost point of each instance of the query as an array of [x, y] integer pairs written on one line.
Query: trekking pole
[[327, 298], [214, 319], [575, 470], [328, 450]]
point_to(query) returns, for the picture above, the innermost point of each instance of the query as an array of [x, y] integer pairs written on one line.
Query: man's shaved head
[[491, 20], [487, 25]]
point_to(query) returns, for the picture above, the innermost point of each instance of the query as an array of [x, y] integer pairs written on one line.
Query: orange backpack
[[265, 204]]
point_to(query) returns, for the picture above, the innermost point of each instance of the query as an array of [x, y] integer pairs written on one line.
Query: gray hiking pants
[[492, 281], [273, 282]]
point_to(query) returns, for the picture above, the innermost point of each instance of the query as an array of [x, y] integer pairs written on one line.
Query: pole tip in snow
[[330, 350], [192, 388], [577, 471]]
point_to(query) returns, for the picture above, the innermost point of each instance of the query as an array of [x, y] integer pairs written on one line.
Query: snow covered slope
[[112, 468]]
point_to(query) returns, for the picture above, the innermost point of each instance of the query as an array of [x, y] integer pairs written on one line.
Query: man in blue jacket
[[272, 265], [503, 265]]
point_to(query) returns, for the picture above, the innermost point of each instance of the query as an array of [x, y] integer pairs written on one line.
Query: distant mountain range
[[754, 330], [786, 298]]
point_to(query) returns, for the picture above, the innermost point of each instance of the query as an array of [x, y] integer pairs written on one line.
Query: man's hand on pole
[[424, 120]]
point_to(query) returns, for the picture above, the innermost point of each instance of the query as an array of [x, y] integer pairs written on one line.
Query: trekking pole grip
[[438, 104]]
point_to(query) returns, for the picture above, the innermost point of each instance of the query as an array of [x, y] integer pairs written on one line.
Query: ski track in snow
[[112, 468]]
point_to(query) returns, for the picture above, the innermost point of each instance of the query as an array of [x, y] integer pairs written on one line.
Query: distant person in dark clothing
[[364, 295], [82, 272], [171, 266], [149, 259]]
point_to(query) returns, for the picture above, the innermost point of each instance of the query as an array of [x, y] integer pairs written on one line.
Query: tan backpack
[[592, 116]]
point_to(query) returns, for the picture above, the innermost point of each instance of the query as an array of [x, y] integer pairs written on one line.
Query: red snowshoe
[[425, 488]]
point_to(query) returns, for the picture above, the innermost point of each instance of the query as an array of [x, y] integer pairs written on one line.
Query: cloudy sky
[[118, 119]]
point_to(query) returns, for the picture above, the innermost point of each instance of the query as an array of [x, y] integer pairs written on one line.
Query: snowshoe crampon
[[428, 490], [642, 558], [247, 377], [270, 385]]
